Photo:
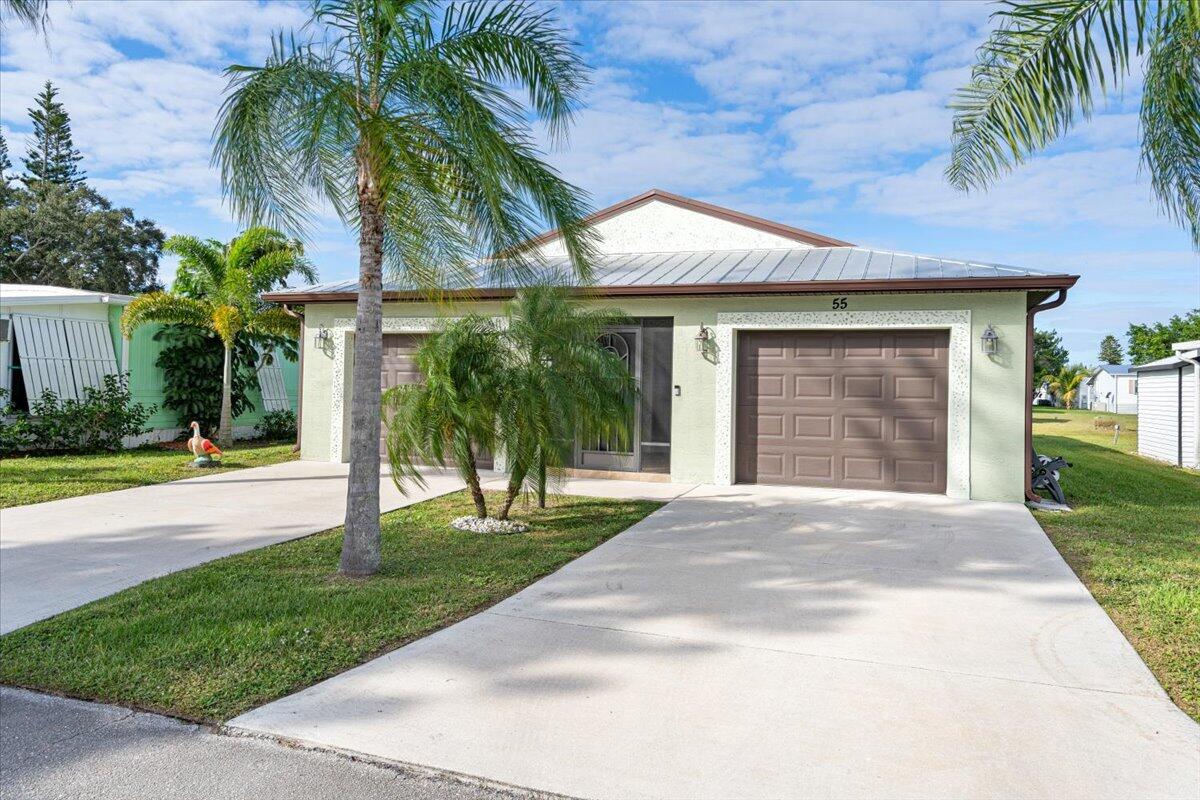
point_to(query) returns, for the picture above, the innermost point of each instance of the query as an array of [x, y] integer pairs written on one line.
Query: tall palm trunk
[[361, 542], [225, 428]]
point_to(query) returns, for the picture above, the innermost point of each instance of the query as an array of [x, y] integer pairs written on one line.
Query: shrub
[[278, 426], [191, 361], [99, 421]]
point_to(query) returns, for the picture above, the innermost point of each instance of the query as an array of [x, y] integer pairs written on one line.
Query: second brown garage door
[[852, 409]]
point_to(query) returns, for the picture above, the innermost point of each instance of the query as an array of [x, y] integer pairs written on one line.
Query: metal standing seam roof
[[733, 268]]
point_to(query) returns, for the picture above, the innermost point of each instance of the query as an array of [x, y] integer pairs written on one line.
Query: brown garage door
[[399, 366], [853, 409]]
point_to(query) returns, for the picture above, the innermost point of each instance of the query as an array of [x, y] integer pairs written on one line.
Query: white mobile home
[[1111, 387], [1169, 406]]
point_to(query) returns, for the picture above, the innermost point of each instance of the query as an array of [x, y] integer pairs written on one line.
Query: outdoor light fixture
[[702, 338], [322, 336], [989, 341]]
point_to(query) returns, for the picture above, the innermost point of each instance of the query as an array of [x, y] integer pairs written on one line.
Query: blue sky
[[830, 116]]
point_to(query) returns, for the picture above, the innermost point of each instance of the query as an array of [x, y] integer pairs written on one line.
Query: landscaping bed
[[1133, 539], [219, 639], [36, 479]]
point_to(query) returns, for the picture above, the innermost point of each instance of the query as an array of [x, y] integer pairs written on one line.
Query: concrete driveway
[[766, 642], [58, 555]]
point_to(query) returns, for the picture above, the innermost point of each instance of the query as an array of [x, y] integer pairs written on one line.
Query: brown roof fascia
[[903, 286], [720, 212]]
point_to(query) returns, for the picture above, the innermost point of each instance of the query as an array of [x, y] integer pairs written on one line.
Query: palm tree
[[1043, 67], [217, 288], [559, 386], [404, 120], [34, 13], [1065, 383], [453, 412]]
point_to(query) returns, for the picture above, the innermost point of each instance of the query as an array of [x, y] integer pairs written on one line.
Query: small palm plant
[[1065, 383], [406, 118], [452, 414], [216, 288], [1047, 63], [559, 386]]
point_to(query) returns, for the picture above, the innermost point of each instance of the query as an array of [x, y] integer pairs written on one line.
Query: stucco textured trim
[[958, 446]]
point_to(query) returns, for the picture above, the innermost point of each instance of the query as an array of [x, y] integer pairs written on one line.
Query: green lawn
[[36, 479], [1133, 539], [214, 641]]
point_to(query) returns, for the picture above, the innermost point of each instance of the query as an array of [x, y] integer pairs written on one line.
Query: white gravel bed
[[488, 525]]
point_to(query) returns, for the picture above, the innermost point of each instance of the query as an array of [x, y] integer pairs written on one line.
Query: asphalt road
[[51, 747]]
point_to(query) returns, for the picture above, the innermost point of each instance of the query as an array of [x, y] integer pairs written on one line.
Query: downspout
[[1044, 306], [299, 379], [1195, 362]]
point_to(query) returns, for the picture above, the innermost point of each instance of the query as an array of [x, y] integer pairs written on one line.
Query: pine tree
[[52, 155], [1110, 350], [5, 166]]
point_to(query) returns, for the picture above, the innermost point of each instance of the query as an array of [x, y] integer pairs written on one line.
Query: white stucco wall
[[658, 227]]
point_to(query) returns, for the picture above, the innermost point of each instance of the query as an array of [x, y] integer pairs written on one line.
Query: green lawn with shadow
[[36, 479], [211, 642], [1133, 539]]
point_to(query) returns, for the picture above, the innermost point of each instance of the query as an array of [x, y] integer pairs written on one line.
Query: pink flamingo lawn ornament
[[202, 448]]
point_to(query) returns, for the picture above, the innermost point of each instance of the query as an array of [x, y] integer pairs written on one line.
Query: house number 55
[[839, 303]]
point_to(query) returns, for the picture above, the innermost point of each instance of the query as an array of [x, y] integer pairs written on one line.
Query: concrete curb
[[402, 767]]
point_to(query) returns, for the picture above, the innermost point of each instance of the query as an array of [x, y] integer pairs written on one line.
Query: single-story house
[[1110, 387], [64, 340], [1169, 406], [765, 353]]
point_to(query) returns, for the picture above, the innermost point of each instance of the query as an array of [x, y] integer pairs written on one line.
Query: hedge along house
[[62, 340], [765, 354]]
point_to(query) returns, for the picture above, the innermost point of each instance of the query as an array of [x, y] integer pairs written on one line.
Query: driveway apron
[[779, 642]]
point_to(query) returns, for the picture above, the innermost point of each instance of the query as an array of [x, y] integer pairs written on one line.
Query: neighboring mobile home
[[765, 353], [1111, 387], [1169, 406], [63, 340]]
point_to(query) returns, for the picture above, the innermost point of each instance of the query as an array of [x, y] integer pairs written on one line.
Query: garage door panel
[[859, 409]]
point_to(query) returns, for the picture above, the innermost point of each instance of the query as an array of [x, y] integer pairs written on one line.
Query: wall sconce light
[[702, 339], [989, 341], [322, 337]]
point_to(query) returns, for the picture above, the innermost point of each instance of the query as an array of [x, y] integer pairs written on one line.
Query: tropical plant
[[559, 386], [192, 361], [217, 287], [453, 412], [33, 13], [1065, 383], [1110, 350], [1046, 64], [404, 117]]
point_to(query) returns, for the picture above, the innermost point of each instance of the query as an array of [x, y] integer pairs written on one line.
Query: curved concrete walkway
[[58, 555], [767, 642]]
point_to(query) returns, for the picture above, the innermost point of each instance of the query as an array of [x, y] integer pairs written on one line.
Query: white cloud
[[1098, 187]]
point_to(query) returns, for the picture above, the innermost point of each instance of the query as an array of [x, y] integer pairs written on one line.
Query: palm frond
[[1170, 115], [273, 321], [34, 13], [201, 263], [1043, 66], [166, 309]]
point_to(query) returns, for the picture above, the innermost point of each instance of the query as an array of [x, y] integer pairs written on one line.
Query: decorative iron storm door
[[618, 452]]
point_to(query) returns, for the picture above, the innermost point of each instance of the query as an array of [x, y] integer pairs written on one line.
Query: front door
[[617, 452]]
